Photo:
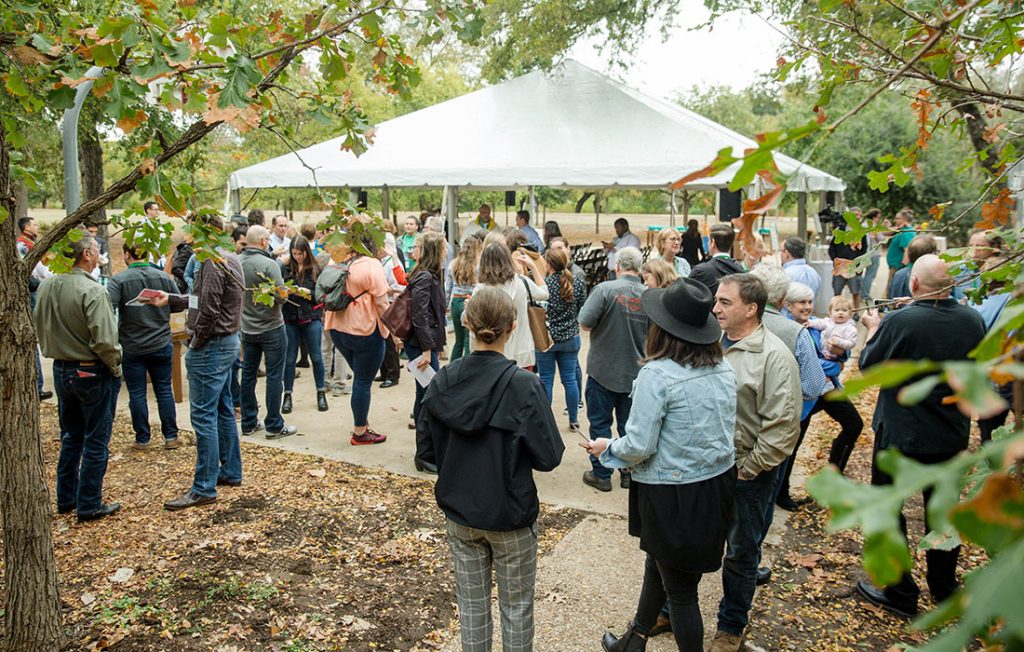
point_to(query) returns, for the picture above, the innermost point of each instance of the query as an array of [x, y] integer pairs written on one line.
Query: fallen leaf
[[807, 561], [356, 624]]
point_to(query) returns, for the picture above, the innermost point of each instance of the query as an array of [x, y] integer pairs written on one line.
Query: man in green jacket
[[75, 325], [768, 401]]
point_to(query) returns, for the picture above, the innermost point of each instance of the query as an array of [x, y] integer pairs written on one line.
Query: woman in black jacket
[[487, 426], [303, 321], [426, 308]]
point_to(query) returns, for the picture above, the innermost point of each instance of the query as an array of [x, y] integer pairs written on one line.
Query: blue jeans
[[236, 383], [312, 334], [566, 356], [158, 365], [414, 352], [86, 398], [39, 373], [869, 277], [461, 347], [743, 550], [601, 404], [363, 353], [273, 344], [39, 362], [213, 417]]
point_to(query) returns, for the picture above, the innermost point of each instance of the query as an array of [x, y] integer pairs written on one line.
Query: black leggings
[[680, 587], [846, 415]]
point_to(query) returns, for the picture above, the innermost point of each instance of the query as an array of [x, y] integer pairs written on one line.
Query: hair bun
[[487, 335]]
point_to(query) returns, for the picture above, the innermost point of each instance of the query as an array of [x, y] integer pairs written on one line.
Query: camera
[[829, 215]]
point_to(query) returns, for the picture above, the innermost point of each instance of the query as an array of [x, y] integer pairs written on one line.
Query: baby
[[836, 329]]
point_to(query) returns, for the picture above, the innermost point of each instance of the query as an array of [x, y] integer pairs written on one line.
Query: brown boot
[[726, 642]]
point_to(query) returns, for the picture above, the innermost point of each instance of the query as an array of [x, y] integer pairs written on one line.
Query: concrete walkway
[[588, 584], [326, 434]]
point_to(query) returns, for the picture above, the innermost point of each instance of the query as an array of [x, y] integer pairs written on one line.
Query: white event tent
[[570, 127]]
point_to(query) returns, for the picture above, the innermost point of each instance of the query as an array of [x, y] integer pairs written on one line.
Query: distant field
[[576, 227]]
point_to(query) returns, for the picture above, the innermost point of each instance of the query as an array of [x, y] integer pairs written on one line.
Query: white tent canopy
[[571, 127]]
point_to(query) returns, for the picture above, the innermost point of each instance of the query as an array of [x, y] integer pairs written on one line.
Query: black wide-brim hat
[[684, 310]]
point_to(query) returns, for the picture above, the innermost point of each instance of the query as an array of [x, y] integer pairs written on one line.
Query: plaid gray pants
[[514, 557]]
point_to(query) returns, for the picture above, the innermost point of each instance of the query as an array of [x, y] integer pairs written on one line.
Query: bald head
[[929, 278], [255, 236]]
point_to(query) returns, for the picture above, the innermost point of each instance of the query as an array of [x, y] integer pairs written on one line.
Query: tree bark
[[976, 124], [21, 200], [90, 158], [583, 200], [33, 615]]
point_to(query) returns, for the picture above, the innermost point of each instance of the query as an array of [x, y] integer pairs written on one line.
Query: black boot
[[630, 642], [321, 400], [286, 404]]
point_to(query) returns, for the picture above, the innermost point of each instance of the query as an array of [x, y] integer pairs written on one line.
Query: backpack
[[330, 287]]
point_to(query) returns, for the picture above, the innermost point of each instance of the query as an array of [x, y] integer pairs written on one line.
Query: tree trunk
[[20, 199], [976, 125], [90, 159], [33, 614], [583, 200]]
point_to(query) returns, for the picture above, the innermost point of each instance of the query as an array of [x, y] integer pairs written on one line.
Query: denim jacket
[[681, 424]]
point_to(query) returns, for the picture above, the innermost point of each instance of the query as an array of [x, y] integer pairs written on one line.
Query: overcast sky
[[734, 53]]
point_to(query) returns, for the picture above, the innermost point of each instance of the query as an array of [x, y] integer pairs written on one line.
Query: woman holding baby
[[833, 337]]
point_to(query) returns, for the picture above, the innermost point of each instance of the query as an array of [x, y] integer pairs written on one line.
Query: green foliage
[[521, 36], [988, 606]]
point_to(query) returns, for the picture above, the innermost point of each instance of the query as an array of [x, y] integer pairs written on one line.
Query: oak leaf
[[996, 212], [922, 107], [128, 123], [27, 55], [991, 134], [990, 505]]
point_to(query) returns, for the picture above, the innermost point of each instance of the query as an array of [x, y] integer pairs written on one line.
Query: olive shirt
[[767, 400], [75, 321]]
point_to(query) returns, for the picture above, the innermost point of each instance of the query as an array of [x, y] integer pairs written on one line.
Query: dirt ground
[[319, 554], [309, 554], [812, 603]]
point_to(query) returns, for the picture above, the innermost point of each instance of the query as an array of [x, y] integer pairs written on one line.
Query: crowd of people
[[709, 367]]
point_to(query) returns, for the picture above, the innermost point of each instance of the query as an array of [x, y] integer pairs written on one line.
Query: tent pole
[[672, 208], [597, 213], [385, 203], [236, 201], [686, 207], [533, 205], [801, 215], [450, 203]]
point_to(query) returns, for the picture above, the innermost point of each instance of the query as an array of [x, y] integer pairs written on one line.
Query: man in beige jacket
[[767, 426]]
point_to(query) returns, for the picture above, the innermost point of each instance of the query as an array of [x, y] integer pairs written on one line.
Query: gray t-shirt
[[258, 267], [619, 330]]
